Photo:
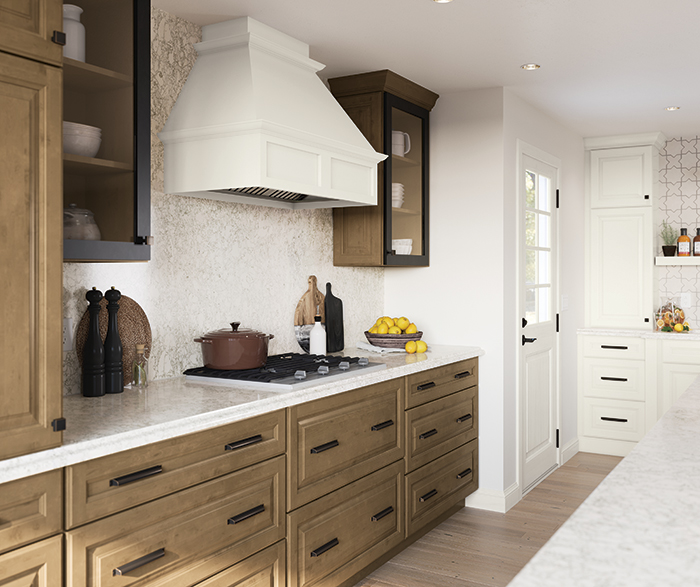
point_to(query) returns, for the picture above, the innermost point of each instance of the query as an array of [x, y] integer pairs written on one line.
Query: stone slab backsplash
[[214, 262], [679, 206]]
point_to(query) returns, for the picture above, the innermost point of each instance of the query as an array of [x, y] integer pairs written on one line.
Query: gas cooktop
[[287, 372]]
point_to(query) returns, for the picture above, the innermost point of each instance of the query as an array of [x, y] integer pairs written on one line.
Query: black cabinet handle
[[527, 340], [464, 418], [613, 346], [382, 425], [464, 473], [428, 434], [614, 378], [383, 513], [325, 548], [427, 496], [139, 562], [607, 419], [322, 447], [59, 37], [463, 374], [131, 477], [426, 386], [258, 509], [245, 442]]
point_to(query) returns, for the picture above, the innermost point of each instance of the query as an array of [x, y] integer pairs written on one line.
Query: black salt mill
[[94, 351], [114, 374]]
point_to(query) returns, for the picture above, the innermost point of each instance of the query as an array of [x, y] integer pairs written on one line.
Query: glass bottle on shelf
[[683, 244], [696, 243], [139, 377]]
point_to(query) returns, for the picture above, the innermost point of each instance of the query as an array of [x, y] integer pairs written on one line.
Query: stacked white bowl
[[402, 246], [81, 139], [397, 195]]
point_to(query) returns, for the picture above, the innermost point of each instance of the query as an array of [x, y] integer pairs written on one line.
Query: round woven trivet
[[133, 329]]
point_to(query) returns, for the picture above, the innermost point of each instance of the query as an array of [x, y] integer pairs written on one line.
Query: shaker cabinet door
[[30, 255], [622, 177], [27, 26]]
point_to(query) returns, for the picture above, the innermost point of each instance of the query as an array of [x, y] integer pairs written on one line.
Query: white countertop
[[641, 526], [172, 407], [690, 335]]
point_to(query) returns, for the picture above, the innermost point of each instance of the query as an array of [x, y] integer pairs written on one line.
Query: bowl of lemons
[[396, 333]]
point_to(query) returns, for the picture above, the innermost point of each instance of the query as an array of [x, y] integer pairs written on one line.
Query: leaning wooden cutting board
[[311, 303]]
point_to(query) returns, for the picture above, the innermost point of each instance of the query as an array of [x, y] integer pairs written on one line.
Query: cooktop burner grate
[[277, 367]]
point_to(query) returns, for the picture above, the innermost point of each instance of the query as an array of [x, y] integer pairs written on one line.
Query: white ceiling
[[608, 66]]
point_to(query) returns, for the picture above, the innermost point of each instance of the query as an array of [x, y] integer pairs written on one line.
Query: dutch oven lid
[[235, 332]]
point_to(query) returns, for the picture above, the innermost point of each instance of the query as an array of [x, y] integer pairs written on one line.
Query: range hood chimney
[[255, 124]]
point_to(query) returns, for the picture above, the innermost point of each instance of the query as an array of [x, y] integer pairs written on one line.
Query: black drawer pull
[[464, 473], [259, 509], [427, 496], [139, 562], [428, 434], [382, 425], [426, 386], [464, 418], [245, 442], [131, 477], [607, 419], [463, 374], [383, 513], [613, 378], [322, 447], [325, 548], [614, 347]]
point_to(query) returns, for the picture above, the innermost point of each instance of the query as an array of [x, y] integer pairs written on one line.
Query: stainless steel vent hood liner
[[255, 124]]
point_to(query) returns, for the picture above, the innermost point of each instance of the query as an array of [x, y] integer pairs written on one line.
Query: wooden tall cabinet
[[30, 231], [385, 105], [27, 29]]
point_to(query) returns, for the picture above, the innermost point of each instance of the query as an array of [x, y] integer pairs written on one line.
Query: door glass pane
[[529, 189], [543, 230], [543, 193], [530, 228], [406, 183], [530, 267], [543, 304], [530, 305], [543, 266]]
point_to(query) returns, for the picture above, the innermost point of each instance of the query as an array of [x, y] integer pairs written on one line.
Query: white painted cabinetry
[[623, 177], [680, 365]]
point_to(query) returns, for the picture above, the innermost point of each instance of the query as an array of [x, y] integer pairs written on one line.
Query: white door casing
[[538, 305]]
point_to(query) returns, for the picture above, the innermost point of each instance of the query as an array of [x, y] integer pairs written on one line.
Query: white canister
[[400, 143], [75, 33]]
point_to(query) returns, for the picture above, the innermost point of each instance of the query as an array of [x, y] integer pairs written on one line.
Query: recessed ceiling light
[[530, 66], [442, 1], [673, 108]]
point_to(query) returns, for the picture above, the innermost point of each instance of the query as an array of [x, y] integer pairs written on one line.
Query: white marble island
[[641, 526]]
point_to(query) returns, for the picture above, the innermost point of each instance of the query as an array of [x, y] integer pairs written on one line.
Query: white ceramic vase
[[75, 33]]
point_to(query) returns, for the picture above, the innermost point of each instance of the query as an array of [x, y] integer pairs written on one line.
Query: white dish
[[84, 145], [77, 128], [403, 249], [401, 241]]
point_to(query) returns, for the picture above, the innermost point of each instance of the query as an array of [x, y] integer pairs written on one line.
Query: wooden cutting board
[[335, 335], [311, 302]]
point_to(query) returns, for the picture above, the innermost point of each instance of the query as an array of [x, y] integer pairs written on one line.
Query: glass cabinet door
[[405, 183]]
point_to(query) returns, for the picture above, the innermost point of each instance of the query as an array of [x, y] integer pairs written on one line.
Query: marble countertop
[[690, 335], [641, 526], [172, 407]]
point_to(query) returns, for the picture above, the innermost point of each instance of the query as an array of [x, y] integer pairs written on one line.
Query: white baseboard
[[494, 500], [569, 450]]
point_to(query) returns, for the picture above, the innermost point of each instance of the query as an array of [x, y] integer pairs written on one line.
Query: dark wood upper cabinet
[[111, 90], [392, 112], [27, 29]]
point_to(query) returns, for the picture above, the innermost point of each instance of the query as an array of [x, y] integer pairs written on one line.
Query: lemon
[[410, 347], [373, 330], [411, 329], [403, 323], [660, 323], [382, 328], [678, 328], [394, 330], [389, 322], [421, 347]]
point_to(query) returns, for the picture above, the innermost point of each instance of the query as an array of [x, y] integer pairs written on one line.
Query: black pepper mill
[[94, 351], [114, 374]]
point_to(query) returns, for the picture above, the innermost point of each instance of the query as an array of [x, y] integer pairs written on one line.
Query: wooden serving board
[[335, 335], [306, 311]]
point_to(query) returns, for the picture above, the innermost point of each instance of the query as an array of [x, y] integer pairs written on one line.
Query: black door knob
[[526, 339]]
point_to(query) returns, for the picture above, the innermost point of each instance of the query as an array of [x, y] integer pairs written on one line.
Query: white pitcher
[[400, 143], [75, 33]]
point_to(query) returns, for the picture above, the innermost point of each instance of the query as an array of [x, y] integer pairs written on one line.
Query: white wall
[[459, 298]]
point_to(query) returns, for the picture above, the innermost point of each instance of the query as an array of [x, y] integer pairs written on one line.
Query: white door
[[538, 320]]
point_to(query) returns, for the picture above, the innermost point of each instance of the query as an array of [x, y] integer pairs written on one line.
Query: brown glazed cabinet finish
[[265, 569], [36, 565], [359, 232], [27, 27], [331, 442], [193, 527], [30, 509], [363, 521], [440, 426], [185, 461], [435, 383], [30, 255]]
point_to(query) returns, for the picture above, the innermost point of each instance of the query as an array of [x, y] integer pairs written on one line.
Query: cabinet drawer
[[435, 383], [437, 427], [613, 347], [336, 440], [686, 352], [613, 379], [36, 565], [613, 419], [184, 538], [30, 509], [97, 488], [265, 569], [435, 488], [334, 537]]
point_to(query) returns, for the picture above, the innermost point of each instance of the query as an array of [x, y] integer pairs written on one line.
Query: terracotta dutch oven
[[235, 349]]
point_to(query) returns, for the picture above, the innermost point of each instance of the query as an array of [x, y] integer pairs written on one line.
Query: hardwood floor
[[478, 548]]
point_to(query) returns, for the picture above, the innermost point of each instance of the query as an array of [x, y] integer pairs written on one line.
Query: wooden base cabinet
[[37, 565], [265, 569]]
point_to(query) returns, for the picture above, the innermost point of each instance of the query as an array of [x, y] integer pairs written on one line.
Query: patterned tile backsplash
[[679, 206], [212, 261]]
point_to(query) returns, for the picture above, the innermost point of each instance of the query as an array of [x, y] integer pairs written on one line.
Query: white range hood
[[255, 124]]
